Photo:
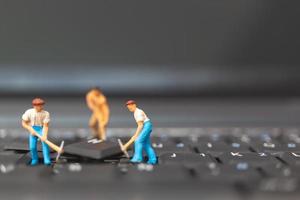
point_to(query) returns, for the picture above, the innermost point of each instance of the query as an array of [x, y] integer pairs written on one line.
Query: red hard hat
[[129, 102], [38, 102]]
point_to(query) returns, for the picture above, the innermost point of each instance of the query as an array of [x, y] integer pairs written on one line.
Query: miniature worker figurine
[[97, 103], [36, 121], [141, 138]]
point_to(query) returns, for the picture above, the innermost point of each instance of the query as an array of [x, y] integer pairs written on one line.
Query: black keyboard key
[[291, 158], [184, 158], [275, 147], [73, 173], [255, 159], [94, 149], [204, 147], [163, 145], [7, 158], [272, 170], [160, 174], [285, 185], [239, 172], [22, 175], [263, 134], [260, 146]]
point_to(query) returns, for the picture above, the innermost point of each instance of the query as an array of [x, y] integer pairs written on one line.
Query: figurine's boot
[[34, 162]]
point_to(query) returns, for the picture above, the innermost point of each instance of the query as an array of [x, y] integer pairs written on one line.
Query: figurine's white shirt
[[139, 115], [36, 118]]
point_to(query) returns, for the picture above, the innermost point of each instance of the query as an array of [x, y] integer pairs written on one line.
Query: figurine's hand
[[124, 148], [43, 138], [32, 133]]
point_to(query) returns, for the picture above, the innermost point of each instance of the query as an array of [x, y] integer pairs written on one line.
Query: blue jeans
[[33, 147], [143, 143]]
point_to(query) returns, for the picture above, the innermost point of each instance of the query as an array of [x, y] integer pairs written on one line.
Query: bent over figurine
[[141, 138], [36, 121]]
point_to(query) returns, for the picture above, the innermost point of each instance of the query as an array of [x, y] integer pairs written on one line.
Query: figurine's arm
[[89, 102], [134, 137], [45, 131], [106, 115], [26, 125], [101, 100]]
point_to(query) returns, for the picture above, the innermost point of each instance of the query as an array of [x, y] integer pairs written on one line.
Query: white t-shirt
[[36, 118], [139, 115]]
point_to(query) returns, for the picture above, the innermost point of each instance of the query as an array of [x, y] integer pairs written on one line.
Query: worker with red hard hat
[[36, 121], [141, 138]]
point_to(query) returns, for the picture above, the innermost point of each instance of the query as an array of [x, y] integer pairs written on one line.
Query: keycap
[[240, 172], [22, 175], [275, 147], [272, 170], [291, 135], [279, 185], [263, 134], [7, 158], [73, 173], [94, 149], [252, 158], [159, 174], [163, 145], [184, 158], [238, 142], [291, 158], [204, 147]]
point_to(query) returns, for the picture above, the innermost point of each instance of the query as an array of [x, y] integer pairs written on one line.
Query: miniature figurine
[[97, 103], [141, 138], [36, 121]]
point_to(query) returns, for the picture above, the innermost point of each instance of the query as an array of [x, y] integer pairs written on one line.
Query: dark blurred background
[[180, 59], [157, 47]]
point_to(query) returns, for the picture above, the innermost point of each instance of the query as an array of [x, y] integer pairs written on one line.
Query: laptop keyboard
[[247, 160]]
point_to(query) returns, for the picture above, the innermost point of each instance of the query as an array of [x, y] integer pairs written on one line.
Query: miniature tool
[[122, 146]]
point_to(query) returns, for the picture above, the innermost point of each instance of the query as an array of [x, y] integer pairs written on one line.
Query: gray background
[[157, 47]]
